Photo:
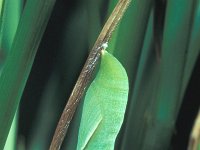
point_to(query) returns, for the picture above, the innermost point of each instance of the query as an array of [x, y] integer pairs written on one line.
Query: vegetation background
[[157, 42]]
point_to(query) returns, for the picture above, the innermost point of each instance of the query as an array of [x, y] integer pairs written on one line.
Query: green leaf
[[20, 59], [10, 18], [11, 140], [193, 48], [55, 93], [142, 99], [129, 36], [104, 106], [167, 100], [94, 20]]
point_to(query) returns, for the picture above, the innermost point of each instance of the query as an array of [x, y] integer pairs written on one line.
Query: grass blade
[[158, 133], [193, 48], [130, 36], [20, 59], [11, 140], [142, 98], [94, 22], [10, 15]]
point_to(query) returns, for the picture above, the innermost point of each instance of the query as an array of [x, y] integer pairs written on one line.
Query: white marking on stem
[[105, 45]]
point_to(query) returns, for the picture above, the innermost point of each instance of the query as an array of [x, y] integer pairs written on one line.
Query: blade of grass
[[127, 46], [130, 36], [94, 20], [66, 68], [1, 7], [20, 59], [11, 140], [175, 42], [80, 24], [142, 98], [2, 4], [193, 48], [44, 117], [57, 87], [10, 15]]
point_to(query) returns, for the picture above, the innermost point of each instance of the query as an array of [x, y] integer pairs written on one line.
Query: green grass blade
[[11, 140], [2, 2], [43, 123], [19, 61], [193, 49], [142, 98], [175, 43], [71, 52], [94, 20], [142, 128], [130, 36], [104, 106], [126, 45], [10, 14], [1, 5], [173, 55]]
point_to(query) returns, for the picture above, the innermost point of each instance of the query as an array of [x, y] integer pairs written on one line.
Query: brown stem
[[86, 73]]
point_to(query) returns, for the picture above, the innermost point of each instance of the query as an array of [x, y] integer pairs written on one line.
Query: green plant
[[153, 50]]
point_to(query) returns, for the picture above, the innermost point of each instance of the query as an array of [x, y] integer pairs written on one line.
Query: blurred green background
[[157, 42]]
